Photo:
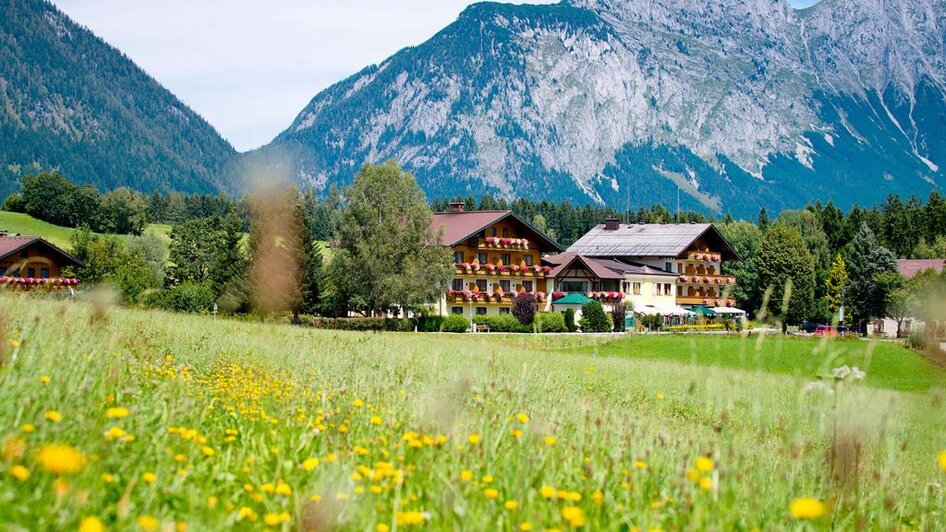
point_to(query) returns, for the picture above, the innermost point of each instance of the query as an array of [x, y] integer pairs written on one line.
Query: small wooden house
[[29, 261]]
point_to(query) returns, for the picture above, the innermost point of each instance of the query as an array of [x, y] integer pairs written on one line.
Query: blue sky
[[249, 67]]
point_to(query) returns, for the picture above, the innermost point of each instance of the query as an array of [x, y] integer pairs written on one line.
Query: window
[[458, 257], [504, 310], [595, 286], [482, 258], [505, 285], [15, 272], [481, 285], [668, 290], [527, 259], [656, 289], [505, 232], [457, 285], [506, 258], [456, 310], [637, 289], [668, 266], [31, 272], [3, 271], [480, 311], [679, 291], [492, 232], [44, 273], [527, 285], [572, 286], [679, 267]]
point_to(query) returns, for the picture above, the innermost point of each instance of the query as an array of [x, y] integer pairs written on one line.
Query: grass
[[246, 425], [24, 224]]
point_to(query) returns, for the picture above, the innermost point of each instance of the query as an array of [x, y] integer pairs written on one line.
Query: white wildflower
[[842, 373]]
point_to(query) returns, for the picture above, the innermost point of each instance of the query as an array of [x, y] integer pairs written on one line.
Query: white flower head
[[842, 373], [816, 387], [857, 374]]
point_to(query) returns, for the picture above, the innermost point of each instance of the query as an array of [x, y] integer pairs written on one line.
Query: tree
[[389, 254], [311, 283], [899, 298], [618, 315], [524, 308], [836, 285], [866, 259], [570, 320], [809, 227], [745, 238], [787, 269], [43, 197], [593, 318], [124, 211], [763, 222]]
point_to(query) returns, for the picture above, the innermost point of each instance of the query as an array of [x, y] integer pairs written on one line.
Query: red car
[[826, 330]]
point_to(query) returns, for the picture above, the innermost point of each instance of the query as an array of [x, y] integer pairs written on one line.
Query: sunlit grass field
[[24, 224], [147, 420]]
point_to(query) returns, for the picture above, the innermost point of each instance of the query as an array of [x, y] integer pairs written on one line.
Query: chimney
[[611, 224], [457, 206]]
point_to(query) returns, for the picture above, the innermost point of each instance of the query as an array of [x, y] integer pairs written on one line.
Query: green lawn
[[24, 224], [239, 425]]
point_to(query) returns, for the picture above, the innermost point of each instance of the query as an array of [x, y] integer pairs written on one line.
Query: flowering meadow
[[132, 420]]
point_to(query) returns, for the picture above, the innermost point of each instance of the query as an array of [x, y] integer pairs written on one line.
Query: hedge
[[504, 323], [698, 328], [455, 323], [550, 322], [362, 324]]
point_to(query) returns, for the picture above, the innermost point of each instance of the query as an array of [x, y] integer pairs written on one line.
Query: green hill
[[69, 101], [24, 224]]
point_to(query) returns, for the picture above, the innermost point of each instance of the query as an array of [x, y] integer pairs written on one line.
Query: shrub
[[699, 328], [618, 316], [919, 340], [524, 308], [550, 322], [570, 320], [503, 323], [593, 318], [188, 297], [362, 324], [431, 323], [455, 323], [653, 322]]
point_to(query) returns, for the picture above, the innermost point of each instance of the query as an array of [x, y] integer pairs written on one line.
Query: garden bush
[[362, 324], [653, 322], [570, 320], [593, 318], [186, 297], [550, 322], [618, 316], [503, 323], [455, 323]]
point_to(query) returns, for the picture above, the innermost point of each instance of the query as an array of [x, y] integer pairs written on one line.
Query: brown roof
[[910, 267], [601, 268], [460, 226], [11, 244], [650, 240]]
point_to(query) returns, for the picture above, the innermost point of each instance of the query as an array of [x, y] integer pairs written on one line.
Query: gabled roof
[[461, 226], [910, 267], [650, 240], [12, 244], [601, 268]]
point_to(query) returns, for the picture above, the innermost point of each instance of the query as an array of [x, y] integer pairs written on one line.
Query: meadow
[[119, 419], [24, 224]]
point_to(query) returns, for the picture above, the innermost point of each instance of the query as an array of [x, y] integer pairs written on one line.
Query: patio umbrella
[[704, 311]]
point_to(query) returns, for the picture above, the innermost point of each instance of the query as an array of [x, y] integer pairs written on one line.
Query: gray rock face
[[736, 104]]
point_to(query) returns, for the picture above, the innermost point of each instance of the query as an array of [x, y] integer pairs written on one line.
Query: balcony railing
[[514, 270], [706, 301], [704, 256], [501, 298], [495, 242], [709, 280]]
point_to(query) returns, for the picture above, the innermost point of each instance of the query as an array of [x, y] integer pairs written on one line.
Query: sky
[[250, 66]]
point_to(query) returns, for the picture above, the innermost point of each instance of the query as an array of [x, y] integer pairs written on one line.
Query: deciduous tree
[[785, 265]]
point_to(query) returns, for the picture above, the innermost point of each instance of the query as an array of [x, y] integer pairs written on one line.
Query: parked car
[[826, 330], [809, 327]]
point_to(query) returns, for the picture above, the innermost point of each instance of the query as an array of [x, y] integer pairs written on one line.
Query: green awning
[[703, 311], [573, 298]]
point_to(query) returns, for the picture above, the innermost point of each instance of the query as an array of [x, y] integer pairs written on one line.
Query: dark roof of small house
[[650, 240], [460, 226], [910, 267], [601, 268], [12, 244]]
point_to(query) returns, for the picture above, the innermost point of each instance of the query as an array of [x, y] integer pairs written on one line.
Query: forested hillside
[[70, 101]]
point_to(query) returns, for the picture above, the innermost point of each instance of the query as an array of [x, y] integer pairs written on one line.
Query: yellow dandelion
[[147, 522], [704, 464], [381, 527], [942, 459], [597, 497], [271, 519], [149, 477], [409, 518], [511, 505], [53, 416], [91, 524], [491, 493], [525, 527], [522, 417], [706, 483], [550, 440], [474, 439], [212, 501], [310, 463], [19, 472], [807, 508], [375, 420], [207, 451], [574, 515], [466, 475], [60, 459], [44, 379], [116, 412], [548, 492], [660, 397], [28, 428]]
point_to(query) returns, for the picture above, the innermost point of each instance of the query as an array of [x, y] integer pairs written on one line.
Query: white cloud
[[249, 66]]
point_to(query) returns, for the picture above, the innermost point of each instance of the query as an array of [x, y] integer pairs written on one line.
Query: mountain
[[735, 104], [69, 101]]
